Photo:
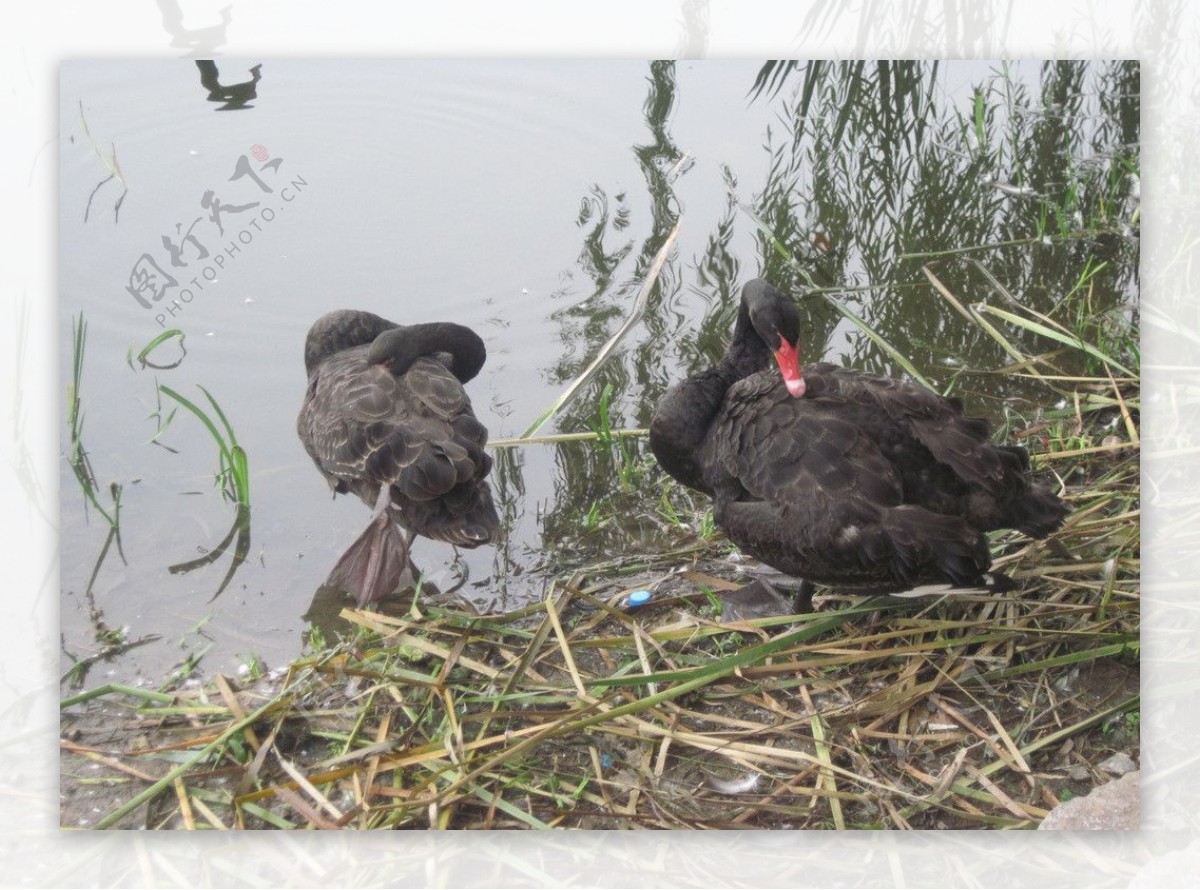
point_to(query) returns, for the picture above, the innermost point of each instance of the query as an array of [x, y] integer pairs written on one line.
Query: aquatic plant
[[233, 474], [77, 456]]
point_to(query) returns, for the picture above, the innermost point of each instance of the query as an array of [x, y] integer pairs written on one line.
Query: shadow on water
[[234, 96]]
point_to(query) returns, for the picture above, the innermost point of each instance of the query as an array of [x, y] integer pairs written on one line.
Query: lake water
[[526, 200]]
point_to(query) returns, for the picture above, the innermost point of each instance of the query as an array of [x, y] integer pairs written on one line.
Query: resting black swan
[[851, 480], [386, 418]]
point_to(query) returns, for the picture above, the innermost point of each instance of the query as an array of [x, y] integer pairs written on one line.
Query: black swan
[[851, 480], [386, 418]]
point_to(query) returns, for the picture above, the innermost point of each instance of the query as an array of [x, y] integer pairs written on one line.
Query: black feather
[[865, 481], [386, 409]]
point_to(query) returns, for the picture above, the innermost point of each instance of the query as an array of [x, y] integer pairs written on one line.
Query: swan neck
[[747, 353], [464, 346], [340, 330]]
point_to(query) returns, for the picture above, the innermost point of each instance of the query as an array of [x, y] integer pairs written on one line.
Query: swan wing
[[795, 451], [364, 427]]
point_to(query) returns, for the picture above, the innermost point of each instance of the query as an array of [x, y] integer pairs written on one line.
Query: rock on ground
[[1115, 805]]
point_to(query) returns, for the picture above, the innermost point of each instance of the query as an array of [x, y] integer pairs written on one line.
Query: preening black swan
[[852, 480], [386, 418]]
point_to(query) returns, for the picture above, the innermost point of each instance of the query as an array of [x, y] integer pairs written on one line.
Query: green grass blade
[[722, 666], [221, 414], [232, 458], [202, 417], [896, 356], [1052, 334], [556, 438], [143, 357], [969, 313], [1162, 321], [241, 474], [504, 806]]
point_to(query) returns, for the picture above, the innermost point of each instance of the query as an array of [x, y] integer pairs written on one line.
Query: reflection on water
[[855, 179], [878, 172], [235, 96], [238, 536]]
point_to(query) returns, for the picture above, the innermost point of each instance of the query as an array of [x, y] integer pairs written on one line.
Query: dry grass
[[968, 711]]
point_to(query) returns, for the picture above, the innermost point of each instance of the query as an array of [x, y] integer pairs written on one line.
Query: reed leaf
[[1052, 334], [639, 306]]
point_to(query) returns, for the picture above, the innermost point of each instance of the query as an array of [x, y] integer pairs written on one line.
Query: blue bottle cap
[[640, 597]]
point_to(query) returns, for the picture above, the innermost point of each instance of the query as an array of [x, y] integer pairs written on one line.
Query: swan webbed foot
[[375, 564], [759, 599]]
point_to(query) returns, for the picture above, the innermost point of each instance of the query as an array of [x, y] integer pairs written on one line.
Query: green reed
[[234, 470]]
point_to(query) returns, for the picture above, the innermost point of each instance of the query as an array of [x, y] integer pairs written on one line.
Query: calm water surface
[[525, 200]]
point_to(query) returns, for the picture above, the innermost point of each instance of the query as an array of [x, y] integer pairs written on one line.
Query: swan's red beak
[[788, 357]]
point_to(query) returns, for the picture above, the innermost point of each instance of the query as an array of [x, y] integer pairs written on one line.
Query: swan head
[[775, 319], [394, 348]]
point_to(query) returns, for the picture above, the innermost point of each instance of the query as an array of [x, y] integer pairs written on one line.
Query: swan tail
[[923, 540]]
